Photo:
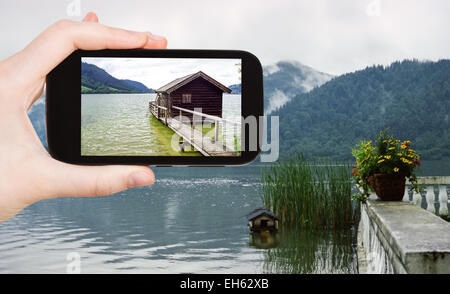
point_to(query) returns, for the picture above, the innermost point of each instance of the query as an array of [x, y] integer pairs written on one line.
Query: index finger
[[65, 36]]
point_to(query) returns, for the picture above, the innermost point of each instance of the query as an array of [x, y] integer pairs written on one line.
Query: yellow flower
[[391, 148], [380, 161], [387, 156], [406, 160], [399, 154], [396, 169], [405, 144]]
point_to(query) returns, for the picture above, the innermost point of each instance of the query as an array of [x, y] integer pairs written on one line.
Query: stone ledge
[[420, 239], [436, 180]]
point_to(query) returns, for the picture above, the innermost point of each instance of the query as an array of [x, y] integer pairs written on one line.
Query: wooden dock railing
[[156, 110], [204, 144], [217, 120]]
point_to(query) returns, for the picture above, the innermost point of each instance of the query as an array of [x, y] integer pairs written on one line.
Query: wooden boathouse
[[196, 90], [197, 97]]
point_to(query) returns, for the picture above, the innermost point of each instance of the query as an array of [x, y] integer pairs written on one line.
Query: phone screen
[[161, 106]]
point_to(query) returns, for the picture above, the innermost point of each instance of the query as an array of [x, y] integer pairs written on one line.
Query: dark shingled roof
[[259, 211], [178, 83]]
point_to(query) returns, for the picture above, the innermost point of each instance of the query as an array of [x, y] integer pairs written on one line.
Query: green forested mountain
[[95, 80], [411, 97]]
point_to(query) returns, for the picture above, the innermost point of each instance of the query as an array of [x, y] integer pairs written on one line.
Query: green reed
[[309, 194], [310, 252]]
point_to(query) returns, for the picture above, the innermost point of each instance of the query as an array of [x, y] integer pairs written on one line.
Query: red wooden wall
[[204, 95]]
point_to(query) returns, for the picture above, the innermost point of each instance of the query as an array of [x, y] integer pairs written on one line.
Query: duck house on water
[[197, 97], [262, 220]]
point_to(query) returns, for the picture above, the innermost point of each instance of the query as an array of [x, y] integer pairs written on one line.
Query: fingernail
[[91, 16], [155, 37], [139, 179]]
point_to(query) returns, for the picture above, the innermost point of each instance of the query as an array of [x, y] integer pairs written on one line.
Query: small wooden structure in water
[[262, 220], [197, 97], [193, 91]]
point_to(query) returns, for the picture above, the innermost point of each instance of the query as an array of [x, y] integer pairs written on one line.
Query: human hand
[[27, 172]]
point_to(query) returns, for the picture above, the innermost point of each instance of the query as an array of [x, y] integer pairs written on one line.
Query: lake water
[[120, 124], [190, 221]]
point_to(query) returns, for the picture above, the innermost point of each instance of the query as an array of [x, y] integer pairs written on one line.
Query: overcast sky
[[331, 36], [156, 72]]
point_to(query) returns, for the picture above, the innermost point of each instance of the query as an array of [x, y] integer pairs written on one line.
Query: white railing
[[216, 120], [428, 196]]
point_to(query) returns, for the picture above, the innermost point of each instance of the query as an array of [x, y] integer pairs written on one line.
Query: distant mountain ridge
[[95, 80], [286, 79], [411, 97]]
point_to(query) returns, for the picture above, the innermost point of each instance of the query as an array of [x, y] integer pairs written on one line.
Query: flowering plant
[[386, 156]]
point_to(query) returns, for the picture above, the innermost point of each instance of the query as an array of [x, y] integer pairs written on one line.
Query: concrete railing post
[[417, 198], [443, 200], [430, 199], [406, 195]]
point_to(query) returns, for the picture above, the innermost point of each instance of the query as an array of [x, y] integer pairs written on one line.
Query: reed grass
[[309, 194], [310, 252]]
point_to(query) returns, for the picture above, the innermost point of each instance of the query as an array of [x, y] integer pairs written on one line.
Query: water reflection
[[190, 221], [309, 252], [263, 239]]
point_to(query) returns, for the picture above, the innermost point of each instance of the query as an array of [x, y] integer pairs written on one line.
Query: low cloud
[[331, 36]]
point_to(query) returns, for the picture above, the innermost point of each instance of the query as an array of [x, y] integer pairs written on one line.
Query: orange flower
[[355, 172]]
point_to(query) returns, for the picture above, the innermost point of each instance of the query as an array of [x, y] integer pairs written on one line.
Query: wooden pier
[[202, 143]]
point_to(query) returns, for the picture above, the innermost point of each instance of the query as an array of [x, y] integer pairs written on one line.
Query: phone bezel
[[63, 107]]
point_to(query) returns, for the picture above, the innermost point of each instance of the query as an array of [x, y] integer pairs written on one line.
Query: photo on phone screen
[[160, 106]]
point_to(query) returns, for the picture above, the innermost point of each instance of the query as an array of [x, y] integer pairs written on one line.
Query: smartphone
[[155, 107]]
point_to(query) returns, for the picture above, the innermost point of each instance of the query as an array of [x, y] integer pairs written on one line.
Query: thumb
[[91, 17], [66, 180]]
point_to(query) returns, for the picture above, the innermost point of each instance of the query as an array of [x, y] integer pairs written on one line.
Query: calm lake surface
[[120, 124], [190, 221]]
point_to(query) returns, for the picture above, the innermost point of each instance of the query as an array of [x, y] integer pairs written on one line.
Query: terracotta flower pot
[[389, 187]]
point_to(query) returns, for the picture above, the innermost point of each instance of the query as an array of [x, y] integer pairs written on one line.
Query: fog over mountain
[[411, 97], [286, 79]]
